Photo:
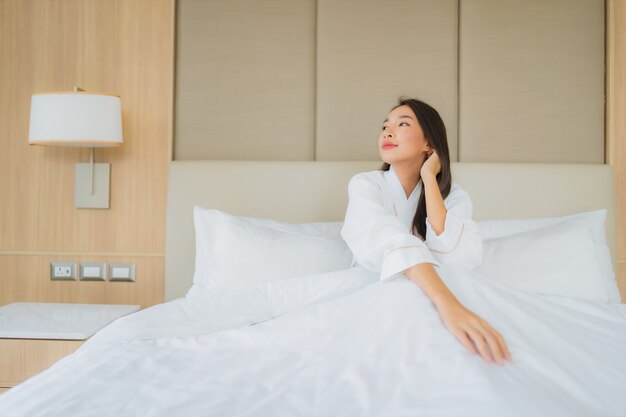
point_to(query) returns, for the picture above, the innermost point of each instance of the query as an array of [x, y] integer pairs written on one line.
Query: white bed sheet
[[370, 348]]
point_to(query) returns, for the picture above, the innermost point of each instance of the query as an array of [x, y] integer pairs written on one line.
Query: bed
[[275, 320]]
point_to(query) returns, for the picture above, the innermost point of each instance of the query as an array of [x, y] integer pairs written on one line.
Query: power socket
[[62, 271]]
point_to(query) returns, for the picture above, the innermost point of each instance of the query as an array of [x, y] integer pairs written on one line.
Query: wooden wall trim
[[109, 254], [172, 46], [616, 123]]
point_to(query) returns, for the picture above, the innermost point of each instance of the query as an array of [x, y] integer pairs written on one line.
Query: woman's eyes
[[385, 127]]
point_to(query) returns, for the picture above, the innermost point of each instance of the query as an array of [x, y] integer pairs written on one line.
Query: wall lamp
[[83, 119]]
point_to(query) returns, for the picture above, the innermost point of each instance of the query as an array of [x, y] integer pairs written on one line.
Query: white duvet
[[340, 344]]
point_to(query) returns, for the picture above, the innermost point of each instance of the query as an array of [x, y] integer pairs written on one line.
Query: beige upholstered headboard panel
[[371, 52], [317, 191], [245, 78], [531, 81], [514, 81]]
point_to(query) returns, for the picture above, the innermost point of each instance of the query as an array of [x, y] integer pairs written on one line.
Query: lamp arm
[[91, 179]]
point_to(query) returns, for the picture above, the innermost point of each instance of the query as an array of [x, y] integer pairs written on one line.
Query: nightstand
[[33, 336]]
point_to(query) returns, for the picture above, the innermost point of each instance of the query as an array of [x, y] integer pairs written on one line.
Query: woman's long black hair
[[435, 133]]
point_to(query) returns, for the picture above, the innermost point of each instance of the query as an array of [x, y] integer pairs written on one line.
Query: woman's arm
[[464, 324], [435, 208], [452, 235]]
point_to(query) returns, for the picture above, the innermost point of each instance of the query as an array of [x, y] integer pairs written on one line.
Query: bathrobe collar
[[396, 185]]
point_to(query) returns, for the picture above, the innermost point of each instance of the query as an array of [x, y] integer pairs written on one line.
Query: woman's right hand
[[474, 332]]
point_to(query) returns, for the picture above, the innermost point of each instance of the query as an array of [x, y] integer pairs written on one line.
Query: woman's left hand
[[432, 165], [474, 332]]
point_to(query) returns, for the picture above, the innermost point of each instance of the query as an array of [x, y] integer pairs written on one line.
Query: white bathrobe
[[378, 222]]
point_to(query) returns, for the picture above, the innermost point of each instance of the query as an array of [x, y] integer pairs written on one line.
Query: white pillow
[[596, 220], [558, 259], [235, 252]]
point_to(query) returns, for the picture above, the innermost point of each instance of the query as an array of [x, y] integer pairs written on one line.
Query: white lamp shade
[[75, 119]]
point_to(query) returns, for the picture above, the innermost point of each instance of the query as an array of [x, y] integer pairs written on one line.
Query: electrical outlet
[[62, 271]]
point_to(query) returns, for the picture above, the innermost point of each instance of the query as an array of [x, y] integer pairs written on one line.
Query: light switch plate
[[122, 272], [92, 271]]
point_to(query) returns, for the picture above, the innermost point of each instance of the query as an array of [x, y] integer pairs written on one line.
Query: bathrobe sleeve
[[378, 239], [461, 241]]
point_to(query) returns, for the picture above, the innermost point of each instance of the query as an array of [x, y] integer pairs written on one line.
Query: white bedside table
[[33, 336]]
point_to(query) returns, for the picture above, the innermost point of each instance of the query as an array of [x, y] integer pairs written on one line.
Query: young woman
[[409, 217]]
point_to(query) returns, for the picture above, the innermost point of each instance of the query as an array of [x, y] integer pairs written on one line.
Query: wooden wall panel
[[27, 278], [117, 46]]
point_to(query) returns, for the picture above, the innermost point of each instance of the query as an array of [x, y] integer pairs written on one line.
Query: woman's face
[[402, 138]]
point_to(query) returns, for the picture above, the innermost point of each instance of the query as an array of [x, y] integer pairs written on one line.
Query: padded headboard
[[307, 191]]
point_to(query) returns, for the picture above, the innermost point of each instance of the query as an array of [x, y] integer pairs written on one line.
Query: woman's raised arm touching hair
[[452, 237]]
